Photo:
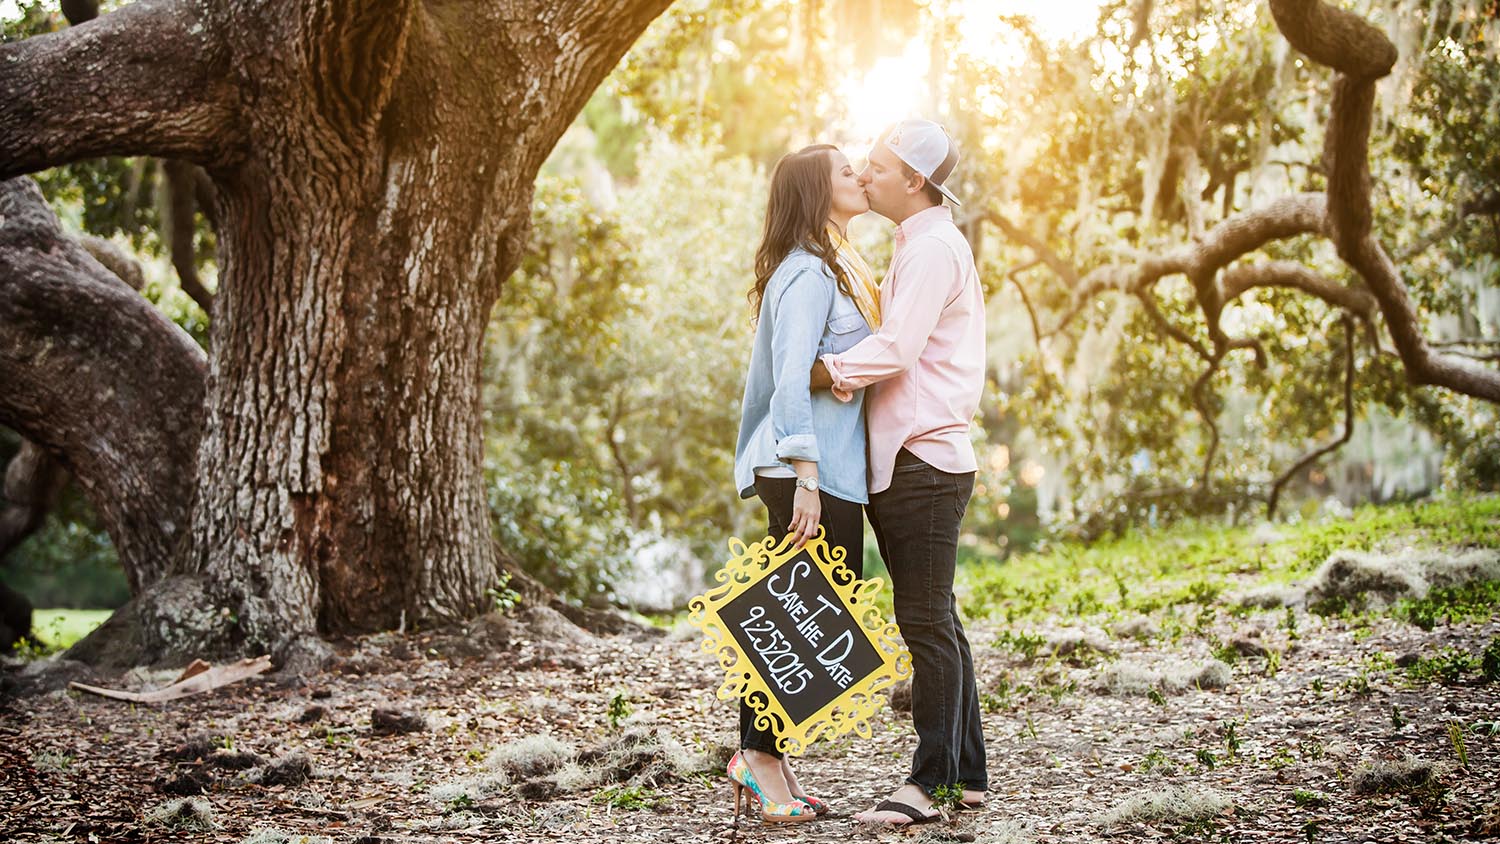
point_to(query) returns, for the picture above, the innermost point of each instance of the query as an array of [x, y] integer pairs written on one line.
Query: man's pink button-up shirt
[[925, 367]]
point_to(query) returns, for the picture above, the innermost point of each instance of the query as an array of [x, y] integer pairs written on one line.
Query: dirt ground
[[1287, 752]]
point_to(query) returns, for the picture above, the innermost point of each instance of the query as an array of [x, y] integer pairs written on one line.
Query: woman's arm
[[799, 316]]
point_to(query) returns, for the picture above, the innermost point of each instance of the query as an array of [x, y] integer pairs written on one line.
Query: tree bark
[[100, 380]]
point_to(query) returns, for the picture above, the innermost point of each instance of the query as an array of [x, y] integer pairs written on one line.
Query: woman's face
[[848, 196]]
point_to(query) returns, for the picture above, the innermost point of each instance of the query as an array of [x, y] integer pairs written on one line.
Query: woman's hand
[[806, 511]]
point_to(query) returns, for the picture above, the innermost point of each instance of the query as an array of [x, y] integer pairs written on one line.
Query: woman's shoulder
[[799, 264]]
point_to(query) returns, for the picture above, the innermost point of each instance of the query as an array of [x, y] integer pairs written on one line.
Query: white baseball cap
[[927, 149]]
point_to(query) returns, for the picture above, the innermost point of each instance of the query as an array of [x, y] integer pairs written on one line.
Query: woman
[[802, 452]]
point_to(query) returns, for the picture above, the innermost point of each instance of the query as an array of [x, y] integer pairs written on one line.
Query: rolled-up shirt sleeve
[[931, 278], [800, 313]]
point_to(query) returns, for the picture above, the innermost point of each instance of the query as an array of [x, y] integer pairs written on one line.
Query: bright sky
[[896, 86]]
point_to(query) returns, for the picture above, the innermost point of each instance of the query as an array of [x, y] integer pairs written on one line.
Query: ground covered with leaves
[[1333, 682]]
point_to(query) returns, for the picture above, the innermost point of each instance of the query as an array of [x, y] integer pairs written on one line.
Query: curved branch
[[182, 203], [590, 37], [1346, 152], [1341, 40], [116, 260], [1243, 233], [1236, 236], [101, 380], [1036, 326], [1239, 279], [144, 80], [1316, 454]]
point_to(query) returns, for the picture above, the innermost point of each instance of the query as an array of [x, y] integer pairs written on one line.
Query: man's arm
[[924, 284]]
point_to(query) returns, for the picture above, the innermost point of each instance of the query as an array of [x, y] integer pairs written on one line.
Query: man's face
[[884, 181]]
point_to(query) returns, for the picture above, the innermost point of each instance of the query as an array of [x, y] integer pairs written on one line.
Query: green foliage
[[1117, 147], [1307, 799], [631, 798], [503, 599], [1489, 662], [1460, 747], [1449, 666], [32, 17], [1023, 644], [613, 370], [58, 629], [948, 796], [1157, 759], [69, 562], [1473, 601], [619, 709]]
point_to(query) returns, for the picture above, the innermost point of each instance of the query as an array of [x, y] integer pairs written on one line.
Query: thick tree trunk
[[373, 191]]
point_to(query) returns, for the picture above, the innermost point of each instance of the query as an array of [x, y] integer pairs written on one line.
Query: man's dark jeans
[[916, 523]]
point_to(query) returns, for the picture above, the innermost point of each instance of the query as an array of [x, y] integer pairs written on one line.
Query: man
[[924, 370]]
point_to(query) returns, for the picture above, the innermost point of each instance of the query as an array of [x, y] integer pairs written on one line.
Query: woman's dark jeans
[[916, 522], [843, 524]]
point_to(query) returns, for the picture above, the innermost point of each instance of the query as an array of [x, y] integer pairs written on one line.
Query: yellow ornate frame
[[852, 710]]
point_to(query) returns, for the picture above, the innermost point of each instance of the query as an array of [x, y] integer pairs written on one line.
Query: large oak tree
[[319, 471]]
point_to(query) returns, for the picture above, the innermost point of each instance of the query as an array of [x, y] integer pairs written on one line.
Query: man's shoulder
[[941, 241]]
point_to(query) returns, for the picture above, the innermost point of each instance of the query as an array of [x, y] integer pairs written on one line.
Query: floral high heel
[[741, 777], [819, 807]]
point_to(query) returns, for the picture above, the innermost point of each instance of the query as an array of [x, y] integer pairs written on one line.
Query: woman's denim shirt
[[802, 316]]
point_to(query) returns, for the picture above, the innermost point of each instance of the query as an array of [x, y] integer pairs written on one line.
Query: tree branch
[[1232, 238], [1487, 204], [1148, 300], [182, 203], [1200, 401], [1316, 454], [1239, 279], [32, 481], [1341, 40], [144, 80], [1043, 253], [1346, 155], [100, 379], [590, 37]]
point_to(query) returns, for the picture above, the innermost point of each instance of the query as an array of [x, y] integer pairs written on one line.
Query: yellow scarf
[[861, 280]]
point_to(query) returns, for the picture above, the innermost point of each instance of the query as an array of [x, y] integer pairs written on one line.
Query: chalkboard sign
[[800, 639]]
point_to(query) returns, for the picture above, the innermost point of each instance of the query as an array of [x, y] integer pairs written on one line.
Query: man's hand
[[819, 379]]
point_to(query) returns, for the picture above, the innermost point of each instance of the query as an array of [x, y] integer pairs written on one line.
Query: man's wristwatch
[[809, 484]]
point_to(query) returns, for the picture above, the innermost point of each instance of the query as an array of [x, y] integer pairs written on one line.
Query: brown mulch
[[275, 758]]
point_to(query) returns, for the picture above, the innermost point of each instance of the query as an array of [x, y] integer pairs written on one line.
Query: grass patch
[[631, 798], [61, 629], [1191, 563], [1474, 601]]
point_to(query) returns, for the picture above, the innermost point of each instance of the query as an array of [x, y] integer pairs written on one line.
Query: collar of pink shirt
[[922, 221]]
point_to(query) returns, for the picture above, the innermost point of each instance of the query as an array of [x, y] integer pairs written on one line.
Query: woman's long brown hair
[[797, 215]]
